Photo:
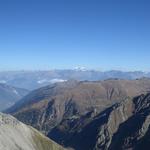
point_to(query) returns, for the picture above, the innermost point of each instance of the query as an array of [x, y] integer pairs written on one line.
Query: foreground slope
[[48, 106], [10, 95], [15, 135]]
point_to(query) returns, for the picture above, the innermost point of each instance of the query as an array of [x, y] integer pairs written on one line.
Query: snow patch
[[15, 92], [80, 69]]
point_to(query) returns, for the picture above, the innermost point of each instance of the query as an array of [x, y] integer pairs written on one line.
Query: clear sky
[[100, 34]]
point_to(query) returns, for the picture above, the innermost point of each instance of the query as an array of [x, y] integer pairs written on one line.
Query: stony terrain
[[123, 126], [15, 135]]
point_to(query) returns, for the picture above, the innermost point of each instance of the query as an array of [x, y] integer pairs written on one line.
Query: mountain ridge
[[97, 111], [47, 106]]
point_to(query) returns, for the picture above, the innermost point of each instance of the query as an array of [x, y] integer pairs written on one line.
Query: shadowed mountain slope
[[125, 125], [10, 95]]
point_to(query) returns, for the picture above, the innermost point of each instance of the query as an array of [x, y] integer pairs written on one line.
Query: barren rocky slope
[[123, 126], [15, 135]]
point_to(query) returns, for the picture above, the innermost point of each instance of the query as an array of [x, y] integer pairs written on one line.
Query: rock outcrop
[[125, 125]]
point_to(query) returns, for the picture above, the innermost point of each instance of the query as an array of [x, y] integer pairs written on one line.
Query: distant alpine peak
[[80, 68]]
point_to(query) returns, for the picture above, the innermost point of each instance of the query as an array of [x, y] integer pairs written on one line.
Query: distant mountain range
[[9, 95], [15, 135], [90, 115], [35, 79]]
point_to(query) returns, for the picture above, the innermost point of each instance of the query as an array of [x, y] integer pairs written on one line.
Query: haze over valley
[[31, 80]]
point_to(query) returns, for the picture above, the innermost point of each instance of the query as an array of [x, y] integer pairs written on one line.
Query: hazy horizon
[[79, 69]]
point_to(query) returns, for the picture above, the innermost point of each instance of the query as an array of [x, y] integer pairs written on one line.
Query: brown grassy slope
[[46, 107]]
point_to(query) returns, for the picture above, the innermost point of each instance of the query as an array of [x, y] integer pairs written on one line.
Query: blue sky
[[100, 34]]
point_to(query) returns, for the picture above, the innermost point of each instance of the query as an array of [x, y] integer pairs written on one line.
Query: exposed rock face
[[134, 132], [15, 135], [125, 125], [97, 130]]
